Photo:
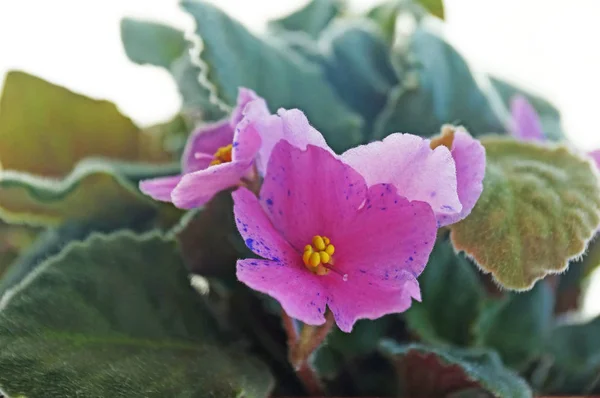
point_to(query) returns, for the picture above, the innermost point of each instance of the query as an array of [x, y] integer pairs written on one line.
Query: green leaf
[[357, 63], [234, 58], [434, 7], [518, 326], [312, 19], [116, 316], [94, 190], [13, 239], [549, 114], [539, 208], [151, 43], [46, 129], [434, 372], [437, 87], [574, 353], [451, 298]]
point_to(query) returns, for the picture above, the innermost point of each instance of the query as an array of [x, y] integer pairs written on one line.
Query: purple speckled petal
[[526, 122], [197, 188], [160, 188], [417, 171], [469, 157]]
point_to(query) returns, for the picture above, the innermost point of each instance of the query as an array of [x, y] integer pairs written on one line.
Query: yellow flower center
[[223, 155], [318, 254]]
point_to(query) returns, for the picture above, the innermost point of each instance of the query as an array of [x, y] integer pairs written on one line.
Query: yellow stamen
[[446, 138], [317, 257], [223, 155]]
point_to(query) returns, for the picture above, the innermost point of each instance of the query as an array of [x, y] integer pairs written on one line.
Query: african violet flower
[[329, 240], [527, 126], [446, 172], [216, 157]]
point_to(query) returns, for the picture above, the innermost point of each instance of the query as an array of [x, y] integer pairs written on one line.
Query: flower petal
[[309, 192], [526, 122], [247, 140], [160, 188], [199, 187], [418, 172], [369, 303], [245, 96], [203, 143], [299, 293], [256, 229], [469, 157], [291, 125]]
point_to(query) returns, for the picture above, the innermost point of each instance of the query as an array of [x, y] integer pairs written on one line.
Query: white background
[[549, 46]]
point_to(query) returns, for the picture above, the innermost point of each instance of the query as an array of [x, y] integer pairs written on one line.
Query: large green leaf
[[549, 114], [233, 57], [13, 239], [312, 19], [116, 316], [438, 87], [518, 325], [435, 372], [94, 190], [574, 354], [151, 43], [46, 129], [357, 63], [539, 208], [452, 298]]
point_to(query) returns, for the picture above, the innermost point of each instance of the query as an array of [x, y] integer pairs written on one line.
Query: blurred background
[[546, 46]]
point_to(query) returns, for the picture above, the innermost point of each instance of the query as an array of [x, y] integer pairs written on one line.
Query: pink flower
[[527, 125], [329, 240], [216, 157], [447, 172]]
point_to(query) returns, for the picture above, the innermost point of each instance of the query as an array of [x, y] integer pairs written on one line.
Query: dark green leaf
[[549, 114], [574, 352], [13, 239], [94, 190], [115, 316], [356, 60], [437, 88], [151, 43], [451, 298], [234, 58], [518, 326], [312, 19], [539, 208], [435, 372]]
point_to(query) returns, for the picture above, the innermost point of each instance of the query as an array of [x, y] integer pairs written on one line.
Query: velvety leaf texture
[[539, 208], [435, 372], [115, 316], [312, 19], [518, 326], [438, 87], [46, 129], [451, 298], [234, 57], [151, 43], [94, 190]]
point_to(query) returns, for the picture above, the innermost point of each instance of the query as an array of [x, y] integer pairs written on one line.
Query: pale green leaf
[[311, 19]]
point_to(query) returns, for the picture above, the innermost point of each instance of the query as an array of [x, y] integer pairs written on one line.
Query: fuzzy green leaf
[[151, 43], [539, 208], [357, 63], [312, 19], [451, 298], [94, 190], [434, 7], [46, 129], [115, 316], [435, 372], [518, 325], [13, 240], [234, 58], [438, 87], [549, 114]]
